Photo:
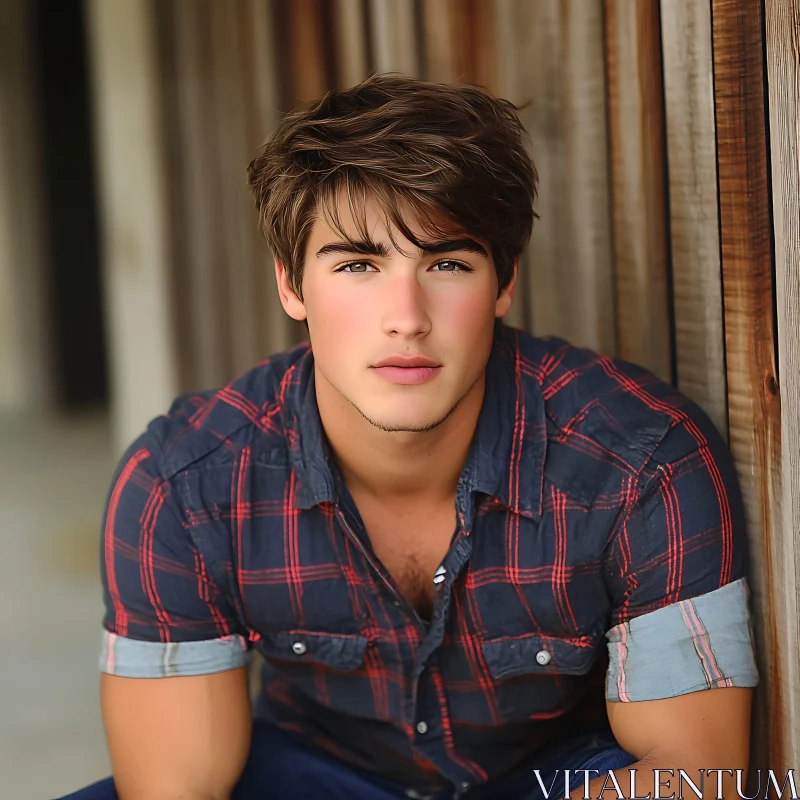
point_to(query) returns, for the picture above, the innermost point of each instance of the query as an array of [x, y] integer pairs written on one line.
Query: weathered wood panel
[[395, 43], [276, 330], [753, 400], [228, 47], [446, 26], [636, 124], [484, 44], [202, 224], [25, 353], [783, 68], [550, 57], [694, 223], [350, 42], [133, 200], [305, 58], [179, 274]]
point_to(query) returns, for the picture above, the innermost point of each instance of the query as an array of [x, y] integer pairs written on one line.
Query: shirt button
[[422, 727], [543, 657], [464, 786], [299, 648], [439, 575]]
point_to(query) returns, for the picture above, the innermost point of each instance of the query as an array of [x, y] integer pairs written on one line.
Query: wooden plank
[[229, 43], [276, 330], [638, 183], [179, 275], [350, 42], [550, 57], [447, 41], [395, 44], [694, 223], [200, 224], [130, 149], [753, 400], [484, 45], [26, 380], [782, 28], [306, 51], [508, 46]]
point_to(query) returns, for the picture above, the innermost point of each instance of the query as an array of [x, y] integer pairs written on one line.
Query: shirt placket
[[429, 706], [427, 711]]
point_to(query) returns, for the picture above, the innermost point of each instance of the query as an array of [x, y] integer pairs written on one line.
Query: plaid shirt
[[599, 528]]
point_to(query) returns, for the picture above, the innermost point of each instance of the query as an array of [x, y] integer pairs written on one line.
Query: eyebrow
[[380, 250]]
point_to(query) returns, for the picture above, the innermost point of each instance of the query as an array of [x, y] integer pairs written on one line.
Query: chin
[[398, 422]]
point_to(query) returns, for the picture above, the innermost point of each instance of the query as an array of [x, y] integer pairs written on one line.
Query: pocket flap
[[544, 655], [339, 651]]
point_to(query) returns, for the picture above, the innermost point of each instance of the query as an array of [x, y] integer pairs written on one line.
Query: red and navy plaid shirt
[[593, 494]]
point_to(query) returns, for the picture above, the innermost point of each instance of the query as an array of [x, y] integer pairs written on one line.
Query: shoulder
[[613, 406], [210, 427]]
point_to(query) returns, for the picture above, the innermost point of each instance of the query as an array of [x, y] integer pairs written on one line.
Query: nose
[[406, 307]]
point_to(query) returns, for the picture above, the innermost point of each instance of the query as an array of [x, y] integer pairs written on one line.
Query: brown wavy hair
[[449, 156]]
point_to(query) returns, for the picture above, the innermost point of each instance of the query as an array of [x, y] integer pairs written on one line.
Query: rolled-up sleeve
[[132, 658], [166, 615], [677, 574], [701, 643]]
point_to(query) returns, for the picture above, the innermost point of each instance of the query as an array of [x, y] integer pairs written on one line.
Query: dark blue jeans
[[280, 767]]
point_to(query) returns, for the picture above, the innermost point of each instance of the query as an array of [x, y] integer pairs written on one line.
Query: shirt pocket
[[325, 668], [538, 676], [339, 652]]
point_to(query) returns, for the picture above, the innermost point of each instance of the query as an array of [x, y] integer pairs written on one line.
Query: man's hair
[[448, 157]]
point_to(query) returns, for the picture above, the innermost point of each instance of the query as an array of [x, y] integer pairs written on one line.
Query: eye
[[354, 267], [452, 266]]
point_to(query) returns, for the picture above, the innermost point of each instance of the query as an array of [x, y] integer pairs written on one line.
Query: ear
[[506, 297], [289, 300]]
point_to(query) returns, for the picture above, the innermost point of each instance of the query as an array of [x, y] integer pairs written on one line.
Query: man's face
[[371, 310]]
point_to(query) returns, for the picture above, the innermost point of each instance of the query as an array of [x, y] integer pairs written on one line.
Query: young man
[[465, 554]]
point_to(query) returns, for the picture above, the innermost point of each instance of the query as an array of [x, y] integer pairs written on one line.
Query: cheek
[[335, 317], [470, 312]]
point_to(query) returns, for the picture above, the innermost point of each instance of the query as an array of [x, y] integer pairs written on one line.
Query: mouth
[[407, 375], [406, 362]]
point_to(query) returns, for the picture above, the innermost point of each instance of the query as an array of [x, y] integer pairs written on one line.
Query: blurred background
[[665, 135]]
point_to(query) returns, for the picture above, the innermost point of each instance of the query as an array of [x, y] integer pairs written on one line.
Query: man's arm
[[174, 690], [681, 656], [177, 738], [699, 731]]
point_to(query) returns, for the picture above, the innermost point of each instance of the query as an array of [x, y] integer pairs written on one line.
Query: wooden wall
[[669, 204], [782, 32], [26, 366], [754, 417]]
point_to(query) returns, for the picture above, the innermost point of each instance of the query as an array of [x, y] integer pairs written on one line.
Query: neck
[[399, 466]]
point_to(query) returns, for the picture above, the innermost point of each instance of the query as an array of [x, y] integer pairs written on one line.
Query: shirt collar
[[309, 452], [506, 457]]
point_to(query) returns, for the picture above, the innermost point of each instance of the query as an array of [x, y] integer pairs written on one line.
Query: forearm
[[184, 738]]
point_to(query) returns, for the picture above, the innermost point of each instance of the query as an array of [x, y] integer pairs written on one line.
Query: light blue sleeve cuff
[[131, 658], [705, 642]]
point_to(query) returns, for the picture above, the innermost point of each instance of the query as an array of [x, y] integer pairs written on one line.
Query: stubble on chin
[[389, 427]]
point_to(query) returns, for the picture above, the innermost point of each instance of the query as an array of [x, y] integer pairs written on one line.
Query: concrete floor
[[54, 476]]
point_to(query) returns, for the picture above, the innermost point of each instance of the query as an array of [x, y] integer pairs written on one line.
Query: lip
[[407, 375], [405, 361]]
